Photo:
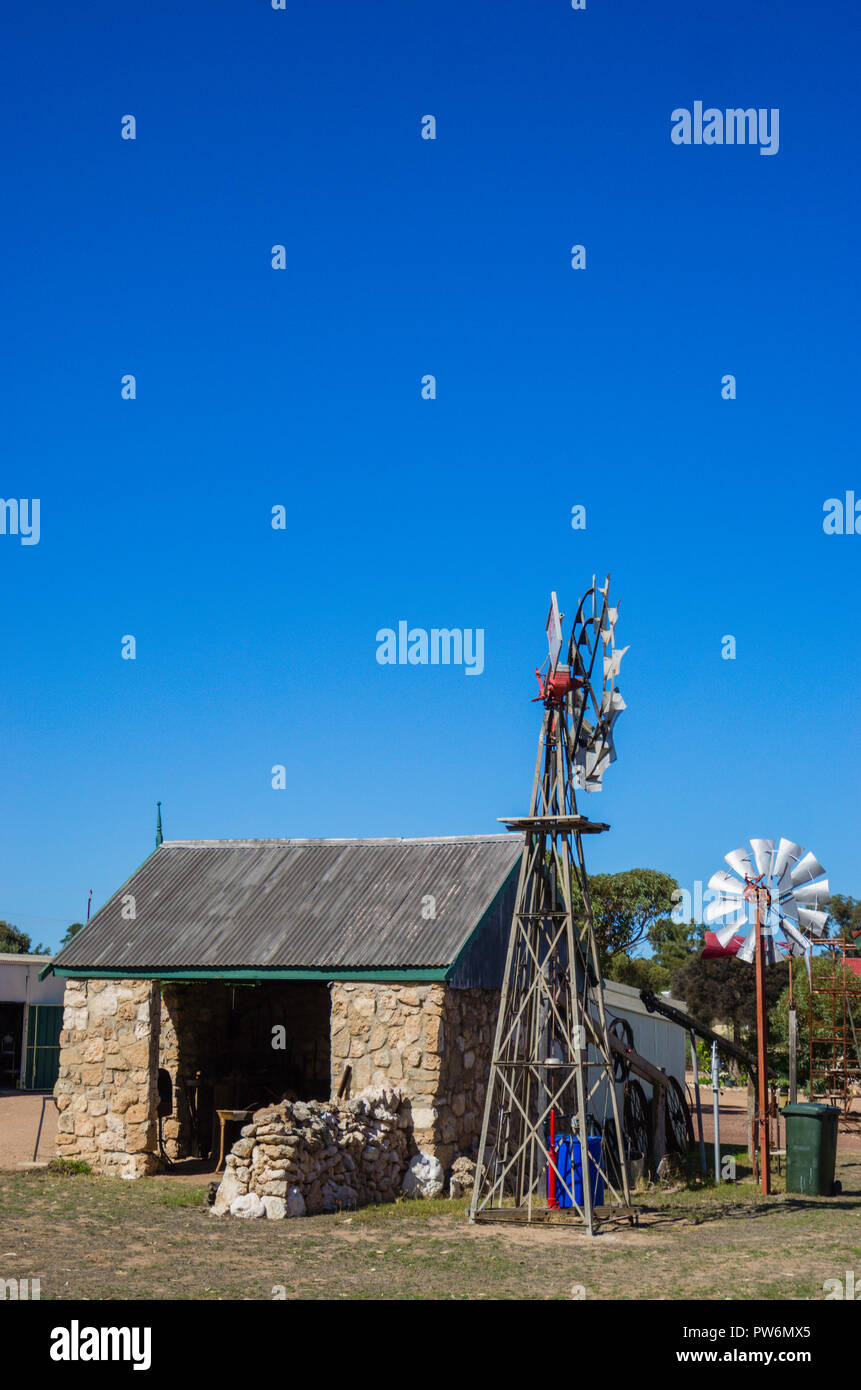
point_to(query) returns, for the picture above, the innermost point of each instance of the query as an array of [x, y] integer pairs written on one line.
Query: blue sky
[[301, 387]]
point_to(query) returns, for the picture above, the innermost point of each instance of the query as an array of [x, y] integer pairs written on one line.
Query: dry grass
[[93, 1238]]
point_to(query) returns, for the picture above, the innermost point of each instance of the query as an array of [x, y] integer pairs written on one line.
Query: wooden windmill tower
[[550, 1096]]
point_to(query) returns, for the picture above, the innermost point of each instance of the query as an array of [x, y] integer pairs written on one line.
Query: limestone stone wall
[[319, 1156], [431, 1042], [469, 1025], [106, 1086]]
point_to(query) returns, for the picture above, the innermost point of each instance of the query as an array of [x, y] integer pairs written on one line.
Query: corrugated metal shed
[[339, 907]]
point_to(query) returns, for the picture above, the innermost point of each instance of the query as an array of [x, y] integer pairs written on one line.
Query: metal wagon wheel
[[610, 1153], [621, 1029], [635, 1121], [679, 1126]]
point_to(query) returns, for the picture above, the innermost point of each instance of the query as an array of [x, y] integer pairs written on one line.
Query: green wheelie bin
[[811, 1148]]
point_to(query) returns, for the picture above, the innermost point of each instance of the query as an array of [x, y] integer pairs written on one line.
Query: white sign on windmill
[[554, 632]]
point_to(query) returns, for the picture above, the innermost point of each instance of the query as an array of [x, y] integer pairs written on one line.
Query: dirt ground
[[19, 1125], [97, 1238]]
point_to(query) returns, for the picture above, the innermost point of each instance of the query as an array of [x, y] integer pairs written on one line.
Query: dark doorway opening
[[11, 1031], [229, 1047]]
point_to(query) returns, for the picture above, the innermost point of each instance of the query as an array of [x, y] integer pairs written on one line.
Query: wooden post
[[659, 1097]]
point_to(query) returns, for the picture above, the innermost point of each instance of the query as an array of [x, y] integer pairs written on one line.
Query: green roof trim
[[400, 977]]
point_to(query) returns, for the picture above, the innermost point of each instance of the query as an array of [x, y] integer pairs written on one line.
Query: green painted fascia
[[400, 977], [515, 869]]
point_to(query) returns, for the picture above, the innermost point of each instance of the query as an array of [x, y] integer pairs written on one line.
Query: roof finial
[[158, 835]]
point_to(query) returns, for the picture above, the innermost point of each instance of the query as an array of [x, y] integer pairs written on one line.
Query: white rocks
[[424, 1177], [249, 1206], [229, 1189], [462, 1177], [275, 1208]]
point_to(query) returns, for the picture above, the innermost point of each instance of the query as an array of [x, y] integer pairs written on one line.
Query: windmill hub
[[755, 891]]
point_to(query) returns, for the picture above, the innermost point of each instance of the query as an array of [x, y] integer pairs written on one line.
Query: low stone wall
[[106, 1086], [317, 1156]]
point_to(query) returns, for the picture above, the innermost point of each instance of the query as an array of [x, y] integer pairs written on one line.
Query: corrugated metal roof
[[297, 904]]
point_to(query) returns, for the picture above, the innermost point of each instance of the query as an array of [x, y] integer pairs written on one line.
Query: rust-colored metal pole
[[762, 1061]]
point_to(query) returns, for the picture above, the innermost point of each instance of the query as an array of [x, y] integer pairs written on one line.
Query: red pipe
[[551, 1176]]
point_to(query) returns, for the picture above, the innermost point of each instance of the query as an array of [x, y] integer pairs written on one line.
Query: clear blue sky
[[555, 387]]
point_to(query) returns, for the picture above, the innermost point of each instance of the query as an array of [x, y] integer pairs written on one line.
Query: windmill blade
[[614, 662], [738, 860], [612, 619], [612, 705], [786, 909], [725, 934], [786, 854], [748, 950], [772, 918], [724, 882], [813, 922], [807, 869], [768, 944], [763, 851], [813, 894], [797, 950], [793, 935], [720, 908]]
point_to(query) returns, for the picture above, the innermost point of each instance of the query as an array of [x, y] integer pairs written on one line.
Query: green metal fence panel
[[44, 1022]]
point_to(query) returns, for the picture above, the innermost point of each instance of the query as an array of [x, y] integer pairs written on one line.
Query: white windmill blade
[[763, 850], [720, 908], [812, 921], [771, 918], [807, 869], [612, 619], [748, 950], [612, 705], [724, 882], [793, 935], [602, 758], [725, 934], [738, 860], [613, 663], [785, 856], [813, 894], [785, 907], [796, 950]]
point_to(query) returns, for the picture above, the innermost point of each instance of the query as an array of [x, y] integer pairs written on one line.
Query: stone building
[[229, 974]]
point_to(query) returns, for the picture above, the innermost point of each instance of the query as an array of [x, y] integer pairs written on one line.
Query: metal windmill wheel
[[776, 893], [786, 875], [594, 702], [621, 1029], [635, 1121], [679, 1132]]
